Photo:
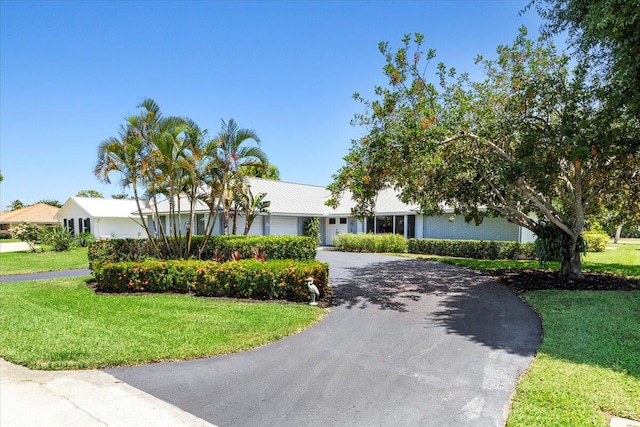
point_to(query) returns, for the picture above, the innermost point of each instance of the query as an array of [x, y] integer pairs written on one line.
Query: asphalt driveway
[[408, 342]]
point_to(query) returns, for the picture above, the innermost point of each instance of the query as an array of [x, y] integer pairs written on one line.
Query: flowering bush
[[27, 232], [280, 279]]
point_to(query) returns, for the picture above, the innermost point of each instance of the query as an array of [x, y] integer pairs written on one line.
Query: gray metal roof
[[287, 198]]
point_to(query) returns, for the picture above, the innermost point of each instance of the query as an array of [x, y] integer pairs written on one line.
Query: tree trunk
[[571, 262], [234, 228], [616, 238], [247, 224]]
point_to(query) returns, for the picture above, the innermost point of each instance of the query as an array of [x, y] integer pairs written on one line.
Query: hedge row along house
[[290, 205]]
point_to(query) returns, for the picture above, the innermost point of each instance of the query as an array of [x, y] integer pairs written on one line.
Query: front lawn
[[62, 324], [588, 366], [36, 262]]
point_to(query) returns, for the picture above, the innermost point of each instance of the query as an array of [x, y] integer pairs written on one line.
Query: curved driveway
[[408, 342]]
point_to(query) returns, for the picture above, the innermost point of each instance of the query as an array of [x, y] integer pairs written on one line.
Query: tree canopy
[[532, 142], [607, 34], [90, 193]]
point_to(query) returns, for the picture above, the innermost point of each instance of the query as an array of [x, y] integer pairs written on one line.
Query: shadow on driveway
[[470, 304]]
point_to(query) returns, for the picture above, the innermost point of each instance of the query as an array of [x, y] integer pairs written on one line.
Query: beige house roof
[[40, 213]]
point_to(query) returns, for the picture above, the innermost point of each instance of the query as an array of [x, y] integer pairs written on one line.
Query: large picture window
[[384, 224]]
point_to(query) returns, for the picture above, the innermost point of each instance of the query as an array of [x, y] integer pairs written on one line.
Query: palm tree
[[232, 155], [126, 155], [14, 205], [254, 206]]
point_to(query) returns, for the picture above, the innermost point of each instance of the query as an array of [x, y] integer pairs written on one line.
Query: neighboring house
[[291, 205], [40, 214], [104, 218]]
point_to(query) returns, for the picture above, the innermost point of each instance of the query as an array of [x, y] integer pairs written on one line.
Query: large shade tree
[[532, 142], [607, 34]]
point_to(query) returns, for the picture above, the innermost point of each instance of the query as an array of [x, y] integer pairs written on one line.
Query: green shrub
[[478, 249], [84, 239], [349, 242], [273, 247], [311, 228], [58, 237], [279, 279], [595, 241], [118, 250], [218, 248]]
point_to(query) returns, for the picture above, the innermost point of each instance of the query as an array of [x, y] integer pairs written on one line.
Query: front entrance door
[[336, 226]]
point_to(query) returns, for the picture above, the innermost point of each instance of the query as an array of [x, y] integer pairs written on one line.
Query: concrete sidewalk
[[80, 398]]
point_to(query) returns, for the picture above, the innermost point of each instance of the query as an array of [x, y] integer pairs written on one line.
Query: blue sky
[[71, 71]]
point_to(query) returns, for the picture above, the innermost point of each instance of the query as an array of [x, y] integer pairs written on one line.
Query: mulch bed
[[526, 280]]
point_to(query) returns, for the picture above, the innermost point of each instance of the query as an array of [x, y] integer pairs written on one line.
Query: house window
[[71, 225], [370, 223], [343, 220], [411, 226], [399, 224], [384, 224], [332, 221], [87, 225]]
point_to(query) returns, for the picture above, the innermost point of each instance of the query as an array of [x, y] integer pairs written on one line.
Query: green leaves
[[531, 141]]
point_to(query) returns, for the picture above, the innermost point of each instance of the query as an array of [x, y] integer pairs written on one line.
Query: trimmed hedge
[[273, 247], [370, 242], [219, 248], [595, 241], [478, 249], [280, 279]]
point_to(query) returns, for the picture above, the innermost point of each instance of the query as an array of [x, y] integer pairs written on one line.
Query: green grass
[[622, 259], [588, 366], [36, 262], [62, 324]]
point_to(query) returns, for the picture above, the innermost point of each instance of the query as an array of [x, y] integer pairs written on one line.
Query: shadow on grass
[[457, 299]]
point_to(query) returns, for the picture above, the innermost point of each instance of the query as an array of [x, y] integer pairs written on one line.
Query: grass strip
[[62, 324]]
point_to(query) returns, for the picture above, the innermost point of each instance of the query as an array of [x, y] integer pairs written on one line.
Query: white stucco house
[[104, 218], [291, 204]]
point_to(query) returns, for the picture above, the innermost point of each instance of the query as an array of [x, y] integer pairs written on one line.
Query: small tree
[[254, 205], [311, 228], [28, 232]]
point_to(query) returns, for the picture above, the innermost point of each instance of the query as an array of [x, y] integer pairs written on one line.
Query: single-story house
[[291, 205], [40, 214], [104, 218]]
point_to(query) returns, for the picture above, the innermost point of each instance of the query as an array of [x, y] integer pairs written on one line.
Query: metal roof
[[104, 208], [287, 198]]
